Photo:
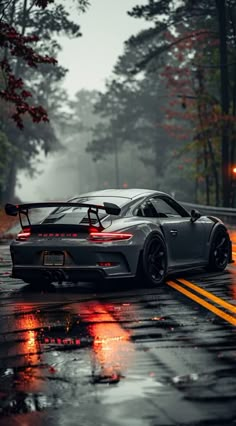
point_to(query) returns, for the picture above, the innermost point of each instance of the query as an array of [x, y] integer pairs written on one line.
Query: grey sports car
[[116, 233]]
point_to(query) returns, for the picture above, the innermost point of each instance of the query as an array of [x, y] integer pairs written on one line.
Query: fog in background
[[90, 59]]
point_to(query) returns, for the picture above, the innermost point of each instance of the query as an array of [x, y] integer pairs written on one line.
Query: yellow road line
[[210, 296], [202, 302]]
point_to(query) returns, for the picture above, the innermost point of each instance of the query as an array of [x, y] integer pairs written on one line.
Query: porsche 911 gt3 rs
[[116, 233]]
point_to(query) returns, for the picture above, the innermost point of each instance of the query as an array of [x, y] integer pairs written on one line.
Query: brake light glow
[[108, 236], [58, 235], [24, 234], [107, 264]]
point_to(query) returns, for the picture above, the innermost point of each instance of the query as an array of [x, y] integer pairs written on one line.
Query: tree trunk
[[207, 180], [215, 173], [225, 164], [9, 192], [197, 177]]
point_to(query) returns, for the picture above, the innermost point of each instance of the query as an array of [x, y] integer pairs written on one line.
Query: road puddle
[[51, 354]]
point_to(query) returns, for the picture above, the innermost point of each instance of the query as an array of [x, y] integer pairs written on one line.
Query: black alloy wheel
[[155, 260], [219, 251]]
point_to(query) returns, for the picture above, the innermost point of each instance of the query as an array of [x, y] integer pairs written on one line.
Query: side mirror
[[195, 214]]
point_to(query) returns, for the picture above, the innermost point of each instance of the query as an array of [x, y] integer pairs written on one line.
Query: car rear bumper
[[31, 274], [82, 262]]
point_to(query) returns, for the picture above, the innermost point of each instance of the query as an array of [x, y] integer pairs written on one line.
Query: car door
[[186, 240]]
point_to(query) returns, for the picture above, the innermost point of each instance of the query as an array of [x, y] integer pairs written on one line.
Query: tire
[[220, 251], [153, 262]]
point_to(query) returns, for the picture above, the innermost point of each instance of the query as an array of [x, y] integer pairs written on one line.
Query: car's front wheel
[[154, 260], [219, 251]]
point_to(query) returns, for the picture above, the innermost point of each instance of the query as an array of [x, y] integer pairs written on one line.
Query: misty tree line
[[173, 95], [166, 119], [31, 83]]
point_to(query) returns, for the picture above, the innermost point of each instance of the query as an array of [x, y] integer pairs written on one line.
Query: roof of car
[[129, 193]]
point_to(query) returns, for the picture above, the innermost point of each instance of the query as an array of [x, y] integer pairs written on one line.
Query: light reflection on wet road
[[131, 356]]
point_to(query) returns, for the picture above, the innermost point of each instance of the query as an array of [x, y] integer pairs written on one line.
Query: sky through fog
[[105, 26], [89, 60]]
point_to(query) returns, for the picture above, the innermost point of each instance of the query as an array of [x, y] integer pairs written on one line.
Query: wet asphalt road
[[74, 355]]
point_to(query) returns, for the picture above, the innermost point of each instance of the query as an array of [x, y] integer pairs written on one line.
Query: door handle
[[174, 232]]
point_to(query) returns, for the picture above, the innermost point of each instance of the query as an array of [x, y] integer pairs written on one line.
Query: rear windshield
[[78, 215]]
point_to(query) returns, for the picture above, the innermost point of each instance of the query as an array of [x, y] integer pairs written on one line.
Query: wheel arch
[[218, 226], [155, 232], [215, 228]]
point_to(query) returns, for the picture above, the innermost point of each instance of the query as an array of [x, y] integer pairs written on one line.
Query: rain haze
[[89, 59], [117, 308]]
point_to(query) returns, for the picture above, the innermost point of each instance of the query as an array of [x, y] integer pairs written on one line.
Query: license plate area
[[55, 258]]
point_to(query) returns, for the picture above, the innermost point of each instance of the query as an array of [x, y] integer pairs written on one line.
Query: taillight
[[103, 237], [107, 264], [24, 234]]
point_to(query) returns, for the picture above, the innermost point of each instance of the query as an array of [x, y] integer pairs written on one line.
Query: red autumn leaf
[[14, 91]]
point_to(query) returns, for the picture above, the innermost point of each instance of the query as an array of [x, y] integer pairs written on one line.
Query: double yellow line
[[222, 303]]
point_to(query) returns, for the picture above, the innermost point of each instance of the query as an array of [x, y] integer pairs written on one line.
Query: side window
[[146, 209], [159, 206], [163, 208]]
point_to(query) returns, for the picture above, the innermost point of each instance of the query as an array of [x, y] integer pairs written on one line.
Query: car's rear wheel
[[219, 251], [154, 260]]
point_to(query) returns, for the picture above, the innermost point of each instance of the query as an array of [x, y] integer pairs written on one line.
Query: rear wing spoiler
[[14, 209]]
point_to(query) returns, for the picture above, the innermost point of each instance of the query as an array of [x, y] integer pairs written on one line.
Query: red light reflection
[[111, 343], [232, 234], [27, 326], [233, 291]]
